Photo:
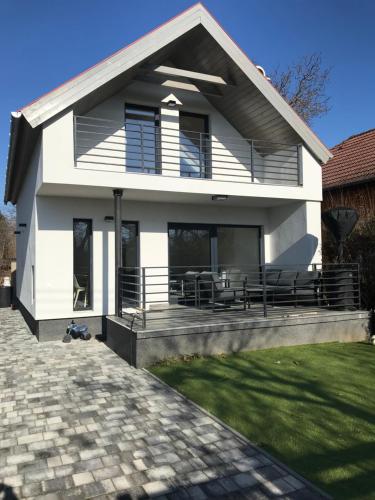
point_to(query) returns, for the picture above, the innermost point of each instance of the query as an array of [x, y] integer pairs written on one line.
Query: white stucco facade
[[59, 189]]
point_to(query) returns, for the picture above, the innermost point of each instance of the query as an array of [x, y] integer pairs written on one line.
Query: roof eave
[[41, 110], [15, 124], [348, 184]]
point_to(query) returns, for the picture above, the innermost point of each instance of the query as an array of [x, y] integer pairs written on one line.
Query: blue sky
[[45, 42]]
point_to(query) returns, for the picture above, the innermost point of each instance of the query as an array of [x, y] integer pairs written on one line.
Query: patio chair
[[211, 288], [77, 290]]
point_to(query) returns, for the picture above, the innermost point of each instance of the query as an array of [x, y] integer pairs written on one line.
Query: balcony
[[106, 145]]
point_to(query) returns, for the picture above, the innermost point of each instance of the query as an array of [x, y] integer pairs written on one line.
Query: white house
[[207, 164]]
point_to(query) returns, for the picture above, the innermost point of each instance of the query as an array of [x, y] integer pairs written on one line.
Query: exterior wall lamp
[[219, 197]]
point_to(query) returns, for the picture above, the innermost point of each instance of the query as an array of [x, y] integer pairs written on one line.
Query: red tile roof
[[353, 161]]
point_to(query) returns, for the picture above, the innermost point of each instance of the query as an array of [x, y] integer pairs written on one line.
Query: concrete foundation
[[144, 348]]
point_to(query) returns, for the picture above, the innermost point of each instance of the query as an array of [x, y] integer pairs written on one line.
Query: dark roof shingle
[[353, 161]]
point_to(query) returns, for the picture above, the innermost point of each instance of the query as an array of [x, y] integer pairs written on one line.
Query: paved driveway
[[76, 421]]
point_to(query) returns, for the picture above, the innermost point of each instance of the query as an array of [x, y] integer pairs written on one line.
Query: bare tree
[[303, 85], [7, 237]]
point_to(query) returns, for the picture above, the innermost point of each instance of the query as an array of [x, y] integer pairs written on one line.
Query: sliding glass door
[[213, 246]]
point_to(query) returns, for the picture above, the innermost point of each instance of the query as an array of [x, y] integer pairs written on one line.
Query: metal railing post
[[252, 160], [200, 155], [299, 165], [264, 291], [119, 292], [142, 152], [359, 285], [75, 139], [144, 304]]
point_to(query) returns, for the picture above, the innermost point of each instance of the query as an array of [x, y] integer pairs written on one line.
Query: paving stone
[[107, 472], [77, 422], [155, 488], [83, 478]]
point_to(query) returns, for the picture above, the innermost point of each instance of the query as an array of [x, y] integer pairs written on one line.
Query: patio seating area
[[187, 295]]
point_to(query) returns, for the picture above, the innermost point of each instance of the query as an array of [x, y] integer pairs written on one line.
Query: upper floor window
[[194, 145], [142, 139]]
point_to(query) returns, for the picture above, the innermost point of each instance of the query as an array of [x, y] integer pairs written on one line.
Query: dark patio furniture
[[189, 287], [285, 286], [306, 288], [211, 288]]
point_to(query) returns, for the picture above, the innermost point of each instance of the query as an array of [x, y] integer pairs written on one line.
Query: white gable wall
[[59, 167]]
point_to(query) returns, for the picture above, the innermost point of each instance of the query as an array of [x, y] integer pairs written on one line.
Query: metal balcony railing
[[147, 149], [168, 296]]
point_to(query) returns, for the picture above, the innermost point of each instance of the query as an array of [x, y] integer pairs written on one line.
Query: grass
[[313, 407]]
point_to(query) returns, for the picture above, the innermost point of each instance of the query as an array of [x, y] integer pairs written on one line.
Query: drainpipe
[[117, 195]]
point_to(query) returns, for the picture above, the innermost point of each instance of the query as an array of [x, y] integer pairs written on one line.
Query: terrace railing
[[196, 293], [147, 149]]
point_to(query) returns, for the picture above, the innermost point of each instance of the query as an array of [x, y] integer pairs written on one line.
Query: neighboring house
[[174, 151], [349, 177]]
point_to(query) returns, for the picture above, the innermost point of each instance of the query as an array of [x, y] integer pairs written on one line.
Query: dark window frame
[[208, 153], [212, 228], [91, 267], [156, 110]]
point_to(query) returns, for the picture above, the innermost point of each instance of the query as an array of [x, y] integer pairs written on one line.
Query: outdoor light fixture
[[219, 197], [171, 101], [108, 218]]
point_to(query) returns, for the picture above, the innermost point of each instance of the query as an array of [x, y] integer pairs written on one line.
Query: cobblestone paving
[[76, 421]]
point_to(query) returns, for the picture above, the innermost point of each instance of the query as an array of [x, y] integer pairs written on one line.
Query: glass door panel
[[194, 145], [142, 139], [238, 253], [189, 246]]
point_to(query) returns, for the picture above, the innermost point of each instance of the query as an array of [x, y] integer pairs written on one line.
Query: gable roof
[[188, 29], [353, 161]]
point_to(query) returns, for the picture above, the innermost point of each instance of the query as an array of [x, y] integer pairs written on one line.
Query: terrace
[[170, 311]]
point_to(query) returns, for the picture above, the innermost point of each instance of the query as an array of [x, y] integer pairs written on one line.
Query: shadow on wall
[[301, 252]]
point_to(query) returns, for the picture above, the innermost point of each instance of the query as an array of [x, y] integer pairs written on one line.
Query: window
[[142, 139], [130, 257], [211, 246], [82, 264], [194, 145]]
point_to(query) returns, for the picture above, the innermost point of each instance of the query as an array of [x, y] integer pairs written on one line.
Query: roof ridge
[[352, 137], [109, 56]]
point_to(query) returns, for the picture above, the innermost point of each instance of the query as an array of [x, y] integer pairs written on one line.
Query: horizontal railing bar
[[78, 118], [161, 142]]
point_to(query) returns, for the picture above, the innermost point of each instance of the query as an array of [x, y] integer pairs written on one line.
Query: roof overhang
[[196, 42]]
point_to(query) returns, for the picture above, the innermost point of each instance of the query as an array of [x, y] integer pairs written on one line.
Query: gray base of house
[[144, 348], [55, 329]]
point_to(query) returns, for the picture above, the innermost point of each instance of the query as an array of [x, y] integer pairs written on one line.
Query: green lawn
[[313, 407]]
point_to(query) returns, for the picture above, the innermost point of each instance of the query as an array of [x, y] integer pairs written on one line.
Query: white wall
[[54, 260], [295, 233], [55, 245], [26, 241], [59, 167]]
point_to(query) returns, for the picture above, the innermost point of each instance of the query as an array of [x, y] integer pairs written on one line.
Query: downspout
[[15, 123], [117, 195]]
